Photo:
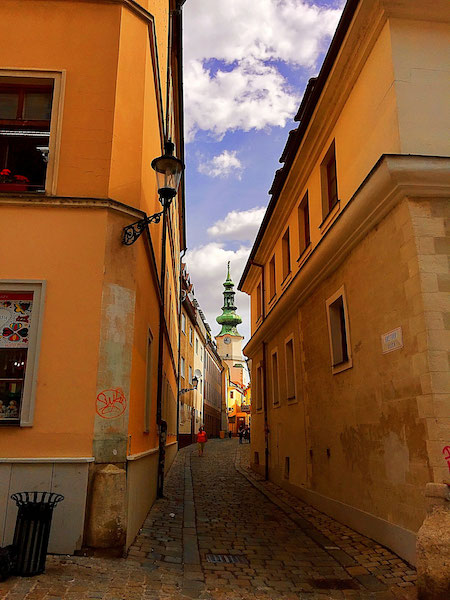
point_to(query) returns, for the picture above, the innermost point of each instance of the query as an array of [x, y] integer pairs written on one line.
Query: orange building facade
[[348, 279], [90, 92]]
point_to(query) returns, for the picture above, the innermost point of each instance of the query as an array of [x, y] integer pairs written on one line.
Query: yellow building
[[90, 93], [348, 279]]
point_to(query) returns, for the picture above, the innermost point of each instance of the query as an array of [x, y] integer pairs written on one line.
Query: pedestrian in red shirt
[[202, 438]]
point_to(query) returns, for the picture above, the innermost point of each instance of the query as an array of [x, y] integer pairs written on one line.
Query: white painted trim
[[402, 541], [349, 362], [37, 317], [60, 459], [145, 453]]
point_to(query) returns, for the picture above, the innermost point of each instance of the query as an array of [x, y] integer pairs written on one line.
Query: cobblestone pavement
[[214, 505]]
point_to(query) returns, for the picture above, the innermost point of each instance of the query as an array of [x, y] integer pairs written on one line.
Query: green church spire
[[229, 319]]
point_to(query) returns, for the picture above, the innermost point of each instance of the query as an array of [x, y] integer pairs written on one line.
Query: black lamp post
[[193, 388], [168, 170], [168, 175]]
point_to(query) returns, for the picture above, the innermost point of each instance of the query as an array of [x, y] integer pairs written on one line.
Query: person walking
[[241, 434], [202, 438], [247, 434]]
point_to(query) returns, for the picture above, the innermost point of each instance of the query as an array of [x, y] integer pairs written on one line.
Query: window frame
[[274, 354], [330, 157], [58, 79], [286, 255], [259, 386], [258, 301], [182, 367], [38, 287], [338, 367], [183, 323], [272, 278], [304, 225], [294, 398]]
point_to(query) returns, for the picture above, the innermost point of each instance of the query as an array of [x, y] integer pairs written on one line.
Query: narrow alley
[[277, 547]]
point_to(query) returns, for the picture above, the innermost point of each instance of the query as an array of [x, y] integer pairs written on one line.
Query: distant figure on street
[[247, 434], [229, 434], [241, 433], [202, 438]]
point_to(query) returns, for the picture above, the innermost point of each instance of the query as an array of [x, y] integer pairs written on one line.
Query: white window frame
[[275, 388], [191, 336], [58, 78], [182, 368], [290, 338], [349, 362], [183, 323], [190, 375], [34, 347]]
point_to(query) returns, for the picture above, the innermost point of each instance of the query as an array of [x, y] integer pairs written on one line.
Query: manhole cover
[[226, 558], [334, 584]]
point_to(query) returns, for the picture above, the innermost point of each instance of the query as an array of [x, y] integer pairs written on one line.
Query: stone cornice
[[393, 178], [31, 200]]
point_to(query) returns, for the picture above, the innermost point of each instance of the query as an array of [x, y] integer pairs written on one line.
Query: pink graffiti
[[446, 453], [111, 403]]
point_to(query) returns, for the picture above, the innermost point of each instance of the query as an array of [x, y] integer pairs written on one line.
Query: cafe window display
[[15, 322]]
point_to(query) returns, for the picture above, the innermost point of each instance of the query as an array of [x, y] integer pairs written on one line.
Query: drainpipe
[[183, 252], [264, 349]]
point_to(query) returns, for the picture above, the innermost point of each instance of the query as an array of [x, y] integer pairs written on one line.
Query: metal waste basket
[[32, 531]]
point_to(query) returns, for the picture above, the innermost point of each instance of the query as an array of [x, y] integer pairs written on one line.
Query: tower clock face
[[227, 340]]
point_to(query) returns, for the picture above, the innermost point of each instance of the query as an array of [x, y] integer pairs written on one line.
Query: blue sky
[[246, 66]]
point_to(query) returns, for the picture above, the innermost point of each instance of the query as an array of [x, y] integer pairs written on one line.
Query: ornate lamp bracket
[[133, 231]]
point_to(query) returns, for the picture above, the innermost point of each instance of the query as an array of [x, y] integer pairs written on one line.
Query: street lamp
[[168, 170], [193, 388]]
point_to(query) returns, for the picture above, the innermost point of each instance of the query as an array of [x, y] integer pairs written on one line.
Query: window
[[190, 336], [190, 375], [290, 369], [329, 181], [258, 302], [259, 387], [196, 345], [148, 384], [182, 368], [272, 280], [275, 380], [231, 394], [286, 254], [25, 114], [303, 224], [20, 327], [183, 323], [286, 467], [338, 332]]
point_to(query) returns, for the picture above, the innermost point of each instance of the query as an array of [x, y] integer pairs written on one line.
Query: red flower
[[5, 172], [21, 178]]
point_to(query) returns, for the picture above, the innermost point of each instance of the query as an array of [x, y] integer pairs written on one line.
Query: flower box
[[13, 187]]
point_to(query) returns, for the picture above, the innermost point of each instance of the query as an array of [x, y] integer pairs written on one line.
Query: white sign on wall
[[392, 340]]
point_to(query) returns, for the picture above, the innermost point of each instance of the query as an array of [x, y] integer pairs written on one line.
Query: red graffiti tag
[[446, 453], [111, 403]]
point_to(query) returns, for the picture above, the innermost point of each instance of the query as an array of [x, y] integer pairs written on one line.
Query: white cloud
[[207, 266], [247, 92], [222, 165], [238, 225]]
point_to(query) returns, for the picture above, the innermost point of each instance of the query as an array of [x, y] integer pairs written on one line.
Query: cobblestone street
[[215, 506]]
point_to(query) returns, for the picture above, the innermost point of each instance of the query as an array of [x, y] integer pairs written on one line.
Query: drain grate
[[334, 584], [230, 559]]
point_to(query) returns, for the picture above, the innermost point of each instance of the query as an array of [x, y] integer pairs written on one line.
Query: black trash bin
[[32, 531]]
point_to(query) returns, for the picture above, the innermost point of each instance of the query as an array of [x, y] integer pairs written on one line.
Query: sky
[[246, 65]]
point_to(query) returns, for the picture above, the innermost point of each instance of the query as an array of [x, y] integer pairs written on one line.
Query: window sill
[[292, 400], [348, 364], [277, 405], [329, 218], [304, 254], [259, 321], [286, 280], [272, 301]]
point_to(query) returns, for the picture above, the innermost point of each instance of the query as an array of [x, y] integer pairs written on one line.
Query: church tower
[[229, 341]]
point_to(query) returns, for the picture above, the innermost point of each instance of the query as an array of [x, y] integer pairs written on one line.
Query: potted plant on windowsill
[[13, 183]]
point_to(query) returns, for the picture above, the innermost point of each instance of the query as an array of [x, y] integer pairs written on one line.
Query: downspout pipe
[[183, 252], [264, 349]]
